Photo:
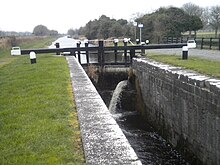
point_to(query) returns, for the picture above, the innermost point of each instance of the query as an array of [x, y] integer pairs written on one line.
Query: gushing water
[[149, 146], [115, 102]]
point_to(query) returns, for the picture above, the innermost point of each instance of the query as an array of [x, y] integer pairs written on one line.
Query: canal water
[[66, 42], [149, 146]]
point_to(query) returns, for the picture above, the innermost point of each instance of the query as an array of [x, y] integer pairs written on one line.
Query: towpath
[[201, 53]]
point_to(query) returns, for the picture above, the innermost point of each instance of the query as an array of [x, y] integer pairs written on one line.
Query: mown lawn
[[38, 42], [207, 67], [38, 120]]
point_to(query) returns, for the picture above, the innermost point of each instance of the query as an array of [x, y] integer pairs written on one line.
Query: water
[[66, 42], [115, 102], [150, 147]]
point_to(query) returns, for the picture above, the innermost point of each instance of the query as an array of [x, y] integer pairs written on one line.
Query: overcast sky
[[24, 15]]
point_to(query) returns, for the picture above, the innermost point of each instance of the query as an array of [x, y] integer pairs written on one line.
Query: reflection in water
[[150, 147]]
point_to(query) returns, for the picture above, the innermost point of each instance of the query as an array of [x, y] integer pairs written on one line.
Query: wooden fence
[[202, 43]]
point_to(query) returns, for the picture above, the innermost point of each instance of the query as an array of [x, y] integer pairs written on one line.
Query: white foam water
[[115, 100]]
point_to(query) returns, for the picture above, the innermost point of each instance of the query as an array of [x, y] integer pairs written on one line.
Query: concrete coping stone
[[185, 75], [103, 140]]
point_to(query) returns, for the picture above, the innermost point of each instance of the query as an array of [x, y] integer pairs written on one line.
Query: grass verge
[[38, 119], [210, 68], [39, 42]]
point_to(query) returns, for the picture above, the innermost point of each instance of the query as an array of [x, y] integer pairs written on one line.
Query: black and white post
[[185, 52], [57, 46], [33, 57]]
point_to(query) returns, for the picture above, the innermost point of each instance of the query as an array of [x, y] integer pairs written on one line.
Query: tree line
[[42, 30], [13, 33], [104, 28], [171, 21], [39, 30]]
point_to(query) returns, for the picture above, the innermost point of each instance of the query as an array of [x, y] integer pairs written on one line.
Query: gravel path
[[206, 54]]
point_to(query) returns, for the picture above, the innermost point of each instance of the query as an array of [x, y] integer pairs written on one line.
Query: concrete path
[[103, 140], [201, 53]]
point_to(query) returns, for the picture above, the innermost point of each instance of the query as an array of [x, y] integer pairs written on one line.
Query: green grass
[[38, 118], [201, 34], [206, 34], [38, 43], [210, 68], [5, 57]]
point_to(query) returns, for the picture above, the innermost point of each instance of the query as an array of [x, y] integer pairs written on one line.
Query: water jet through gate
[[150, 147]]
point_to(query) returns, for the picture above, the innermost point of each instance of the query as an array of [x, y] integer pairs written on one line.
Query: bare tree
[[205, 17], [193, 10], [215, 18]]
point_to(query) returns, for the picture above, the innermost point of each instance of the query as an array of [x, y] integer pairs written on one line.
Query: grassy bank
[[207, 35], [204, 34], [210, 68], [38, 120], [25, 43]]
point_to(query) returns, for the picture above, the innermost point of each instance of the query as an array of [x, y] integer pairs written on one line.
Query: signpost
[[140, 25]]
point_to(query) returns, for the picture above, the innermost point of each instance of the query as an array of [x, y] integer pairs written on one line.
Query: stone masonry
[[183, 105], [103, 140]]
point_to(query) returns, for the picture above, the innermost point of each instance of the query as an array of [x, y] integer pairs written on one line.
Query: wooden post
[[132, 54], [74, 53], [210, 43], [79, 56], [219, 44], [116, 52], [125, 52], [101, 53], [202, 42], [87, 53]]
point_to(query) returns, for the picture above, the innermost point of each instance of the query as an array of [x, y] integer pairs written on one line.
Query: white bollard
[[185, 53], [33, 57]]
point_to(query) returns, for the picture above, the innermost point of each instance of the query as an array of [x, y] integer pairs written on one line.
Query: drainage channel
[[149, 146]]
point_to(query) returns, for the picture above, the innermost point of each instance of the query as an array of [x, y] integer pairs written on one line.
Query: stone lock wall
[[183, 105]]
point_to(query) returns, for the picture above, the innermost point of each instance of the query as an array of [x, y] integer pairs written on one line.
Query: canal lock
[[122, 97]]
